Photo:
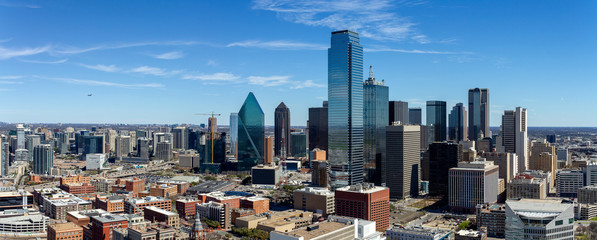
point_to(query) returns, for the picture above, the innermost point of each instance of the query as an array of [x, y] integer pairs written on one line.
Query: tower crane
[[212, 114]]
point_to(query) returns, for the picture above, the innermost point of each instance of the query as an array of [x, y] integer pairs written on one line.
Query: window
[[571, 220], [559, 222]]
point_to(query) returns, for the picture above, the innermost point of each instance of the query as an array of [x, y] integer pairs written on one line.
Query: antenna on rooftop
[[370, 72]]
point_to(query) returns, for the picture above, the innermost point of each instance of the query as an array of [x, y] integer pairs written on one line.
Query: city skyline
[[433, 53]]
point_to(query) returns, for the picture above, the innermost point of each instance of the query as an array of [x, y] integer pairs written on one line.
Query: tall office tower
[[543, 157], [20, 137], [30, 142], [161, 137], [163, 151], [268, 152], [282, 131], [318, 127], [180, 137], [92, 144], [123, 146], [399, 112], [143, 148], [472, 183], [539, 219], [457, 123], [508, 163], [5, 157], [133, 135], [436, 118], [345, 116], [219, 148], [375, 120], [442, 157], [233, 133], [298, 145], [43, 159], [563, 154], [365, 201], [415, 116], [112, 134], [402, 160], [551, 138], [478, 107], [212, 124], [514, 136], [251, 134], [62, 142]]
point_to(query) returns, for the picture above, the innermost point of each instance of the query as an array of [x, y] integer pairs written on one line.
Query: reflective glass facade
[[436, 117], [233, 132], [251, 135], [345, 109], [375, 120], [318, 127], [282, 130], [457, 123], [478, 107]]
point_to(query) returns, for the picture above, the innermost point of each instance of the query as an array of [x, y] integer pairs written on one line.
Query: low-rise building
[[266, 175], [417, 233], [113, 204], [136, 205], [163, 190], [539, 219], [220, 197], [83, 218], [215, 211], [277, 221], [25, 224], [588, 194], [65, 231], [492, 217], [318, 200], [181, 186], [186, 207], [101, 226], [59, 207], [259, 204], [338, 228], [78, 188], [470, 235], [568, 181], [154, 214], [526, 186]]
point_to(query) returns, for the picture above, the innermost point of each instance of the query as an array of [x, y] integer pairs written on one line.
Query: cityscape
[[367, 161]]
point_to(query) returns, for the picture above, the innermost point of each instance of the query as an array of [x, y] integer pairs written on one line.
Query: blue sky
[[163, 61]]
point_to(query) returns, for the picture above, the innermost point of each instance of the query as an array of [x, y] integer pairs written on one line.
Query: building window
[[559, 222]]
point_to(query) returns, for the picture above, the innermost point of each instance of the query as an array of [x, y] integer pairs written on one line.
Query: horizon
[[202, 56]]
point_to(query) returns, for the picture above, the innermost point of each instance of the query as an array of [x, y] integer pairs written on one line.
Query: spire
[[370, 72]]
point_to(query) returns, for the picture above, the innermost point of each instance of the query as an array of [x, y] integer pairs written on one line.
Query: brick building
[[65, 231], [186, 207], [154, 214], [365, 201]]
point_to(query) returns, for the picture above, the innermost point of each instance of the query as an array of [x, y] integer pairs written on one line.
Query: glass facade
[[43, 159], [4, 156], [478, 119], [92, 144], [298, 144], [414, 116], [251, 135], [457, 123], [282, 131], [436, 117], [233, 132], [375, 120], [345, 109], [318, 127]]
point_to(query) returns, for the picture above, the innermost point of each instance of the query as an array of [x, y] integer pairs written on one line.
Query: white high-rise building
[[539, 219], [95, 161]]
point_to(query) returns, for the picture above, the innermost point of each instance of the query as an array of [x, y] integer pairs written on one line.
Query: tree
[[464, 225], [211, 223]]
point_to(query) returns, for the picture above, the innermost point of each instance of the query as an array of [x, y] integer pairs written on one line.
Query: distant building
[[543, 157], [335, 227], [282, 131], [539, 219], [508, 163], [95, 161], [551, 138], [473, 183], [143, 148], [163, 151], [588, 194], [92, 144], [318, 127], [298, 144], [478, 119], [43, 159], [69, 230], [514, 136], [417, 233], [268, 152], [398, 112], [154, 214], [563, 154], [212, 124], [233, 133], [317, 200], [180, 138], [251, 135], [457, 123], [436, 117], [568, 181], [266, 175], [526, 186], [123, 146], [364, 201], [414, 116]]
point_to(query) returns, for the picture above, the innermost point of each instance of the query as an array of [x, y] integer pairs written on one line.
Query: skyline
[[163, 70]]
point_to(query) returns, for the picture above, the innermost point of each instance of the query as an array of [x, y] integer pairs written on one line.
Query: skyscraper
[[478, 117], [282, 131], [143, 148], [298, 148], [345, 116], [514, 136], [436, 117], [457, 123], [212, 124], [43, 159], [402, 159], [233, 132], [415, 116], [398, 112], [180, 137], [318, 127], [20, 137], [442, 157], [251, 135], [375, 120]]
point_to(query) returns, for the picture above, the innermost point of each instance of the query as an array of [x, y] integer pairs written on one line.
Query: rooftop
[[317, 230], [87, 213], [537, 207], [66, 226], [148, 199], [161, 211], [316, 191], [23, 220], [362, 188], [108, 217]]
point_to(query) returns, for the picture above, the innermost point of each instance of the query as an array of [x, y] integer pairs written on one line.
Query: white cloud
[[212, 63], [278, 45], [384, 49], [6, 53], [10, 82], [374, 19], [10, 77], [169, 55], [44, 62], [307, 84], [77, 50], [269, 81], [101, 67], [103, 83], [225, 77], [153, 71]]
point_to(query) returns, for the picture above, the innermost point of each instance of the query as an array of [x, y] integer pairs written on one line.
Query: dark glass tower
[[318, 127], [478, 116], [414, 116], [375, 120], [282, 130], [251, 135], [442, 157], [436, 117], [398, 112], [457, 123], [345, 112]]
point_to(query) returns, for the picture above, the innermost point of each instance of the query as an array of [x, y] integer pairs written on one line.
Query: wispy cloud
[[101, 67], [10, 82], [169, 55], [268, 81], [278, 45], [102, 83], [213, 78], [374, 19], [307, 84], [10, 77], [6, 53], [44, 62], [153, 71], [78, 50], [417, 51], [212, 63], [22, 5]]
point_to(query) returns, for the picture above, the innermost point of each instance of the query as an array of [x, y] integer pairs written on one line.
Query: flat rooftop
[[66, 226], [161, 211], [538, 205], [362, 188], [320, 229]]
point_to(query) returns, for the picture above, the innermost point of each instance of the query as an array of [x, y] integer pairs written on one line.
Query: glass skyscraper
[[457, 123], [318, 127], [375, 120], [233, 132], [282, 131], [345, 109], [436, 118], [478, 116], [251, 134]]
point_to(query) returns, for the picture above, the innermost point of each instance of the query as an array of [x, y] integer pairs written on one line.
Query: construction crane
[[212, 114]]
